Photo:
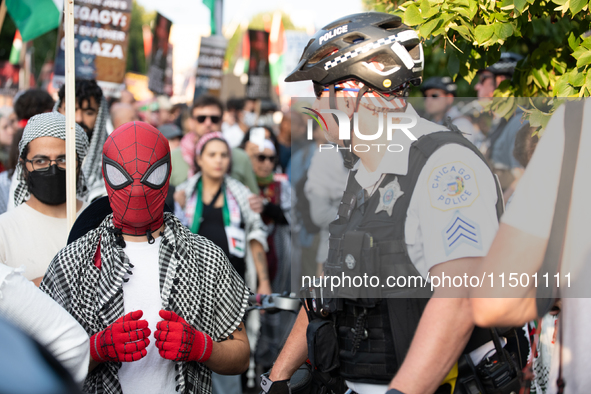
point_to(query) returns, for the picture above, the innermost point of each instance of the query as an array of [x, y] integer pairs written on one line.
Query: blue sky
[[302, 12]]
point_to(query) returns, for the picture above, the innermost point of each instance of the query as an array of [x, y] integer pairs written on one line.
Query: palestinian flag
[[276, 39], [35, 17], [15, 52], [211, 4]]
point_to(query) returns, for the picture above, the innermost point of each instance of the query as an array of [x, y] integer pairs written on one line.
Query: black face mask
[[49, 186]]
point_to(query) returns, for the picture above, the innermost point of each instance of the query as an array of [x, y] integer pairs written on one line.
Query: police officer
[[500, 141], [440, 93], [422, 202]]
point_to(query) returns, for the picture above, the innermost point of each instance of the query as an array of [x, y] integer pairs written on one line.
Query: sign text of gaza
[[104, 17]]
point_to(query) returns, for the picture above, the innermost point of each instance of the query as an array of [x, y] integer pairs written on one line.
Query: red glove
[[125, 340], [178, 341]]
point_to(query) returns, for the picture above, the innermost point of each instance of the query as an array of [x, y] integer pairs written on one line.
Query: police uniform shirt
[[452, 212]]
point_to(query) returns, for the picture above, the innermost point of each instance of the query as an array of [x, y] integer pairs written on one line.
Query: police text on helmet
[[333, 33]]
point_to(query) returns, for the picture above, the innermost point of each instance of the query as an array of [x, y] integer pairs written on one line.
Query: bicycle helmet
[[506, 64], [352, 46], [444, 83]]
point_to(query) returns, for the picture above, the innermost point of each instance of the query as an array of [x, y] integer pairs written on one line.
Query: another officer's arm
[[294, 352], [442, 334], [512, 306]]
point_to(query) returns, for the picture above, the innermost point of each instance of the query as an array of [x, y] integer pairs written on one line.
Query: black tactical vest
[[375, 329]]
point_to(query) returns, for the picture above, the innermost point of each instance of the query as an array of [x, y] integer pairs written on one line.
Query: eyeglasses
[[201, 118], [319, 89], [43, 163], [262, 158]]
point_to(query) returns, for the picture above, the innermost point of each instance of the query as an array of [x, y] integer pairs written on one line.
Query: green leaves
[[538, 118], [576, 6], [562, 88], [483, 33], [520, 5], [428, 27], [584, 59], [412, 16], [453, 64], [503, 30], [463, 36], [573, 42], [576, 78]]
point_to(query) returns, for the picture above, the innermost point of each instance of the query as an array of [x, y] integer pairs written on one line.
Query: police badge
[[388, 196]]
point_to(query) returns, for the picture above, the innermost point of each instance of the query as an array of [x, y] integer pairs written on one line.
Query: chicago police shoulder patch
[[452, 186]]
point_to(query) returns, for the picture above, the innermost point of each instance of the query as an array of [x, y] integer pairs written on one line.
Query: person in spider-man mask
[[142, 272]]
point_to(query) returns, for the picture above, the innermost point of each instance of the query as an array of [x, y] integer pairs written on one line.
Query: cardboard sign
[[161, 53], [100, 39], [208, 78]]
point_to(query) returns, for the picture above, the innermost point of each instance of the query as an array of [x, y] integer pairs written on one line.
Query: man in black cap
[[439, 93]]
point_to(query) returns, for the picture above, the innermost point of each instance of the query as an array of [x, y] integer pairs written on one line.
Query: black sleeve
[[275, 212]]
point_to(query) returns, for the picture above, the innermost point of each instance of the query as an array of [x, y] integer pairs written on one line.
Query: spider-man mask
[[136, 168]]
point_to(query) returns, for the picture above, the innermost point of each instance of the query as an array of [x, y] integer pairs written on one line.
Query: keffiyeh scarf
[[196, 281], [51, 124]]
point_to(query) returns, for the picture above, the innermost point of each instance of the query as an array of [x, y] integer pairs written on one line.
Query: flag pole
[[70, 114], [2, 13]]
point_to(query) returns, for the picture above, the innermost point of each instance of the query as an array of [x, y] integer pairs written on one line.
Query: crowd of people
[[184, 210]]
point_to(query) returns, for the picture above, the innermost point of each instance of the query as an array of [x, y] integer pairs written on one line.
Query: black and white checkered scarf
[[92, 166], [51, 124], [196, 281]]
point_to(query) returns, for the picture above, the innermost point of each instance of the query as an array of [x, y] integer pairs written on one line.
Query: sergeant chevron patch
[[461, 230]]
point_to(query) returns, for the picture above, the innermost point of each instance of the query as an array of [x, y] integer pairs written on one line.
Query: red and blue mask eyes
[[118, 178]]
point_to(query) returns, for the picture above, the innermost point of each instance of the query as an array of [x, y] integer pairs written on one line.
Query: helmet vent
[[354, 38], [326, 52], [391, 24], [336, 24]]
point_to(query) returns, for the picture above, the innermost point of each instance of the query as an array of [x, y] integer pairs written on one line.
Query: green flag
[[211, 5], [34, 17]]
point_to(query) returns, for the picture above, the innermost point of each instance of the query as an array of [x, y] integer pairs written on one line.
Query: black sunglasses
[[214, 119], [262, 158]]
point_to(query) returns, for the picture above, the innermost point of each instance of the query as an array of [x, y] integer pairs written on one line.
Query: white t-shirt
[[31, 239], [40, 316], [532, 211], [151, 374]]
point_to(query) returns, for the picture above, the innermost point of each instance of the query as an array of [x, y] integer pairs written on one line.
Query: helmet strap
[[349, 158]]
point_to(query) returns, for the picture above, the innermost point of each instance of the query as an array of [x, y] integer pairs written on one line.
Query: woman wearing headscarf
[[217, 207]]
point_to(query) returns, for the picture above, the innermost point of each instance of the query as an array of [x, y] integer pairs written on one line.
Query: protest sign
[[101, 39], [208, 77], [160, 55], [259, 77]]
